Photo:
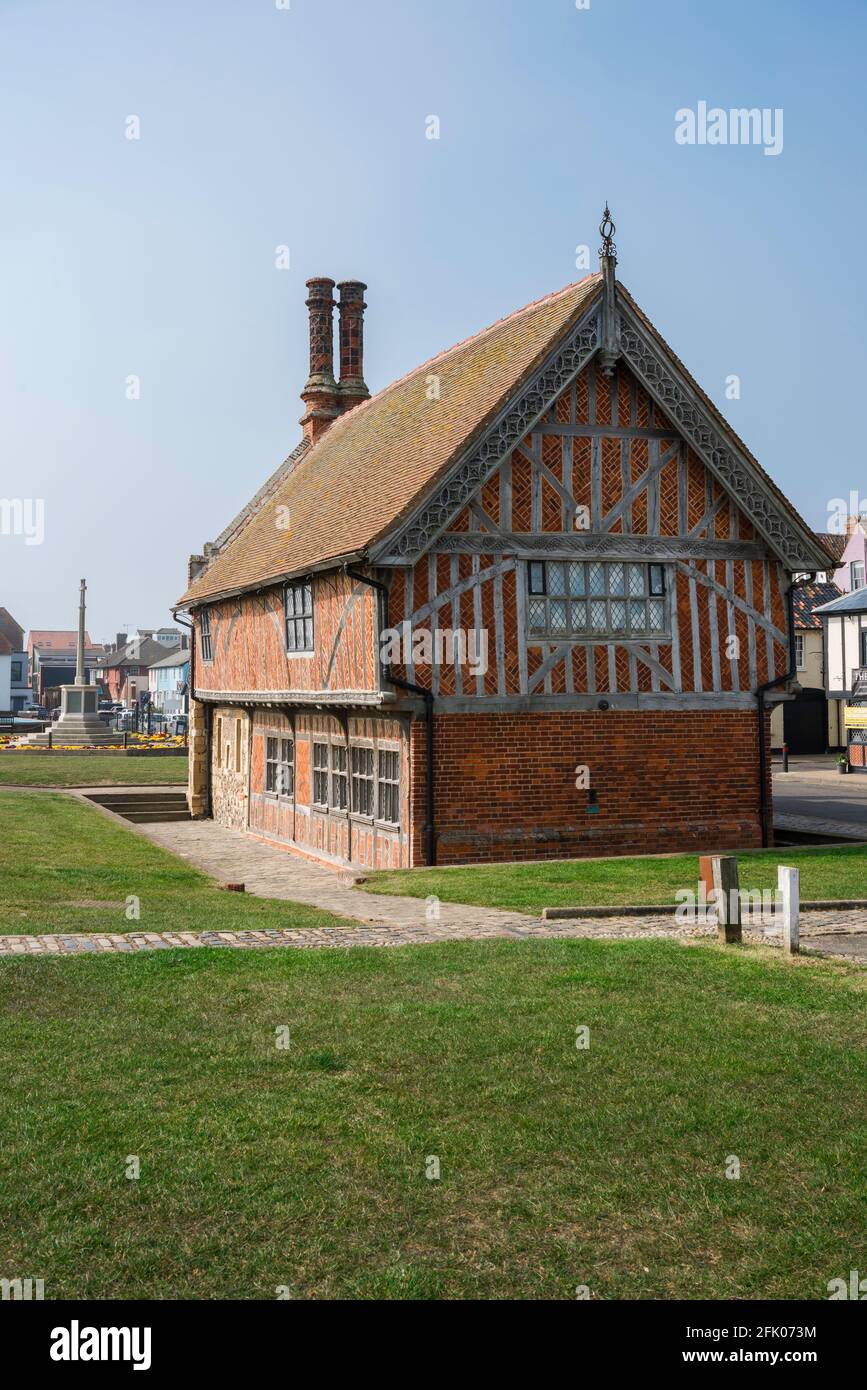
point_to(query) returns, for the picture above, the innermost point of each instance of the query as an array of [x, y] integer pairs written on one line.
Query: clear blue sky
[[263, 126]]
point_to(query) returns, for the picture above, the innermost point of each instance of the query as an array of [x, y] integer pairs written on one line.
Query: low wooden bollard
[[728, 899], [789, 889]]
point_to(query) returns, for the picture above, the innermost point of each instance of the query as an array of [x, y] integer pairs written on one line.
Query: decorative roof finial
[[606, 231]]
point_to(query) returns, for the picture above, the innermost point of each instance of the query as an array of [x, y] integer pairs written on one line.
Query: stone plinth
[[79, 723]]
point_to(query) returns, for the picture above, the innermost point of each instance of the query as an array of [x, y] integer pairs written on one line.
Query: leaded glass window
[[596, 598]]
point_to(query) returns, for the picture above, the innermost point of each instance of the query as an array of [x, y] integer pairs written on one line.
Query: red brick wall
[[665, 781]]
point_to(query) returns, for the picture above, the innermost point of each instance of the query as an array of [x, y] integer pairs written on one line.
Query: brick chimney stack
[[321, 395], [352, 306]]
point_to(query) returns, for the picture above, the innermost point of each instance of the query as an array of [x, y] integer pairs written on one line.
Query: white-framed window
[[298, 616], [856, 574], [799, 650], [596, 598], [279, 766]]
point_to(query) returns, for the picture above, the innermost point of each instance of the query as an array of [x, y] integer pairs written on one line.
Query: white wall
[[6, 682]]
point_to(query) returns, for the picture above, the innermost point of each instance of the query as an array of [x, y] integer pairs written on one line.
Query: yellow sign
[[855, 716]]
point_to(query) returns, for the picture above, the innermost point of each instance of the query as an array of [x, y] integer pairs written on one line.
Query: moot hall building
[[618, 568]]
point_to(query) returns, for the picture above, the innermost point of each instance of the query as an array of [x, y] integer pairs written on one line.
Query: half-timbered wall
[[248, 643], [287, 813], [604, 455]]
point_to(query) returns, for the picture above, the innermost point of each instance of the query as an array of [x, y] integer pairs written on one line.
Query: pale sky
[[305, 126]]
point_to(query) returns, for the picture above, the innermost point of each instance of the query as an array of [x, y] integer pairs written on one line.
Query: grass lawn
[[305, 1167], [89, 770], [64, 866], [825, 873]]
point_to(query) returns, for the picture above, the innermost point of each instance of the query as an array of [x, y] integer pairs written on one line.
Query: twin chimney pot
[[323, 397]]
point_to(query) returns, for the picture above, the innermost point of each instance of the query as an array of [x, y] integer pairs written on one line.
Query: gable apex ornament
[[609, 350]]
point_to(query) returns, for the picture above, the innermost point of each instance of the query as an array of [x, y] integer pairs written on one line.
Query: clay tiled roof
[[12, 631], [47, 638], [808, 598], [835, 545], [374, 465], [371, 465]]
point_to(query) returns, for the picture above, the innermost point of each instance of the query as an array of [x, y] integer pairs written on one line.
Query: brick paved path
[[230, 856], [838, 933]]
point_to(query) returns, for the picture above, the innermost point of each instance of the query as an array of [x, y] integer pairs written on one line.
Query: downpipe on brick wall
[[761, 691], [430, 851], [191, 695]]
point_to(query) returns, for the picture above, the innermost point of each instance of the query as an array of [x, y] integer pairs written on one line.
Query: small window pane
[[657, 579], [556, 579], [597, 617], [637, 617], [636, 581], [616, 580], [537, 577], [597, 579], [557, 616], [656, 613], [618, 616], [576, 579], [579, 616], [537, 614]]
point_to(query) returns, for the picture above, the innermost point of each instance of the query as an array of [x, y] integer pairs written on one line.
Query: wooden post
[[705, 881], [725, 881], [789, 886]]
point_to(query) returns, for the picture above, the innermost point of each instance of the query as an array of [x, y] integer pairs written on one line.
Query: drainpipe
[[191, 695], [760, 706], [430, 852]]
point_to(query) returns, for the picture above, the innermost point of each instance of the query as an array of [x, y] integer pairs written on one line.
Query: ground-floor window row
[[362, 778]]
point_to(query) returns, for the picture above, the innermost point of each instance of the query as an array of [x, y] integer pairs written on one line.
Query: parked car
[[34, 712]]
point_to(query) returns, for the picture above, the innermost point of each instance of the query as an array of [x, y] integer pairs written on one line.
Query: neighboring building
[[845, 637], [168, 637], [19, 691], [53, 667], [53, 640], [810, 723], [167, 682], [559, 493], [852, 573], [123, 675]]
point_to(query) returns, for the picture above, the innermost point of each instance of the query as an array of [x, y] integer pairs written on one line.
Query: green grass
[[305, 1167], [825, 873], [89, 770], [64, 866]]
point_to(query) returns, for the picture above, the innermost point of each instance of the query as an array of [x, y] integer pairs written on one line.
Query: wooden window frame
[[298, 618], [567, 590], [320, 772], [283, 763], [392, 784], [206, 645]]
